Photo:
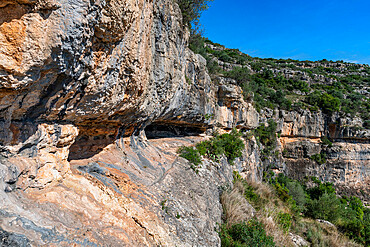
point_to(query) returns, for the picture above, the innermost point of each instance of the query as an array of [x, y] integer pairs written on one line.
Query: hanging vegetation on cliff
[[191, 10]]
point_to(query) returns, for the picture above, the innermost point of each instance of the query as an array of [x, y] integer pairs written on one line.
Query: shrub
[[366, 231], [244, 234], [319, 158], [354, 229], [230, 145], [327, 207], [297, 193], [224, 56], [279, 98], [210, 149], [192, 155], [282, 192], [356, 205], [367, 124], [328, 103], [238, 74], [315, 236], [283, 180], [320, 189], [267, 136], [284, 220], [250, 194], [325, 140], [191, 10]]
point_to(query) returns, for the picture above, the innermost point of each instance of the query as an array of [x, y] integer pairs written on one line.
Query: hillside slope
[[321, 110]]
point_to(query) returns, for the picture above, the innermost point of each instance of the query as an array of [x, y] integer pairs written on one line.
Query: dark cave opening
[[156, 131]]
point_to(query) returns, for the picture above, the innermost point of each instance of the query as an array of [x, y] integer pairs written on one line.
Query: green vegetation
[[334, 86], [164, 206], [191, 10], [325, 141], [297, 193], [285, 221], [319, 158], [318, 200], [268, 90], [267, 136], [239, 227], [328, 103], [230, 145], [192, 155], [286, 206], [326, 207], [251, 233], [178, 216]]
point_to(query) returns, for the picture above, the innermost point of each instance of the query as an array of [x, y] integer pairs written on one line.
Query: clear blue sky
[[297, 29]]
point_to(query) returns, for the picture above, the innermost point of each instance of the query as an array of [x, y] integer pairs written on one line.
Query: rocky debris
[[298, 240], [327, 223]]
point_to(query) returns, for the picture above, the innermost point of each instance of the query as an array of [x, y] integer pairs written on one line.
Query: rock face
[[81, 84], [347, 159], [300, 137], [134, 193], [95, 99]]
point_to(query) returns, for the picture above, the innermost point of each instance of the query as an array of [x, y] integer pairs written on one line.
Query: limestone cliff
[[347, 158], [95, 99], [282, 90], [82, 83]]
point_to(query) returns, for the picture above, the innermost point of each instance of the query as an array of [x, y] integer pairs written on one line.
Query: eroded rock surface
[[95, 99], [347, 159], [80, 82], [133, 193]]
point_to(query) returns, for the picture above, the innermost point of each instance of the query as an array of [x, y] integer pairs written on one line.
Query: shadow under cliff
[[156, 131], [93, 139]]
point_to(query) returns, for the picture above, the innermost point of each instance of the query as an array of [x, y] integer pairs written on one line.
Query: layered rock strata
[[347, 162], [95, 99], [80, 83]]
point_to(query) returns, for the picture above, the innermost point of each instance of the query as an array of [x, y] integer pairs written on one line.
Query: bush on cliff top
[[327, 102], [191, 10]]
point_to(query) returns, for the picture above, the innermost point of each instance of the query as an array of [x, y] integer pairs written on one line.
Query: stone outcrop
[[134, 193], [95, 99], [347, 159], [81, 84]]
